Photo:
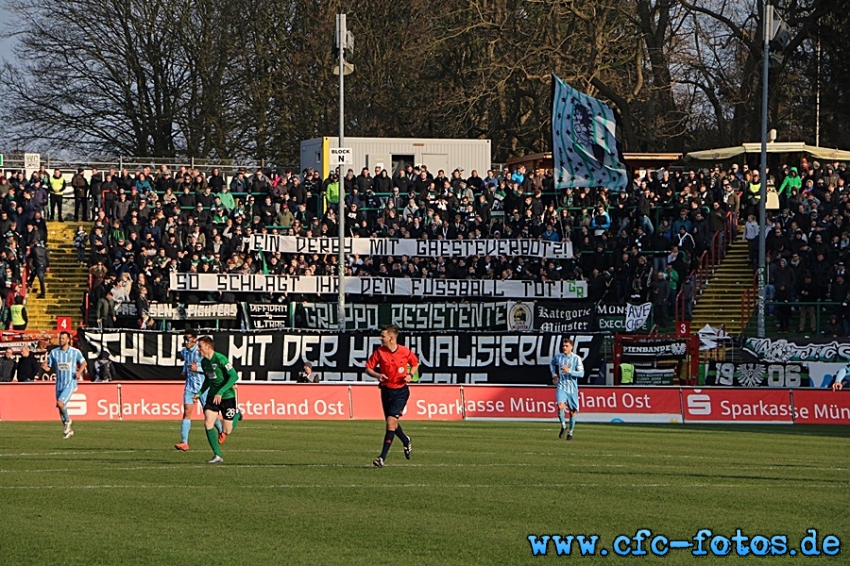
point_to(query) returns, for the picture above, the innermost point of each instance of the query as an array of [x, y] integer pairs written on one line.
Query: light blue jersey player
[[69, 364], [566, 369], [194, 380]]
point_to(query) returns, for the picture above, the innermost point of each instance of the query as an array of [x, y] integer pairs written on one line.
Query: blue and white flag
[[585, 144]]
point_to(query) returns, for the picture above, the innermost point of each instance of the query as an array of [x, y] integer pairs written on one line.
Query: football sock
[[401, 436], [63, 414], [236, 418], [212, 437], [562, 418], [185, 425], [388, 441], [572, 423]]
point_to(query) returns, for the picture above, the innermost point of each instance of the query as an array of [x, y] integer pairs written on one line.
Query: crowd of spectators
[[807, 245], [640, 244], [24, 209]]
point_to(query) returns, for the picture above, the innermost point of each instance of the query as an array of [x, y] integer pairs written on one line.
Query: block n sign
[[341, 156]]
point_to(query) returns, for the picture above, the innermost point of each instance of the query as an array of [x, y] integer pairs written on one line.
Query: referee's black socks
[[388, 441], [401, 436]]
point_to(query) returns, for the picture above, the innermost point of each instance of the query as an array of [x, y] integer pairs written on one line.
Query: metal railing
[[14, 161], [707, 264], [749, 301], [821, 311]]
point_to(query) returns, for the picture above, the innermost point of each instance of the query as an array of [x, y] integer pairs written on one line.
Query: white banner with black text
[[387, 286], [410, 247]]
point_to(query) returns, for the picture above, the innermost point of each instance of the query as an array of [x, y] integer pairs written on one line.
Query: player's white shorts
[[570, 398], [188, 397], [65, 394]]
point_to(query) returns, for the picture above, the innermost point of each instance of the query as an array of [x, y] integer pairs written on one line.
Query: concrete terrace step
[[66, 282], [720, 301]]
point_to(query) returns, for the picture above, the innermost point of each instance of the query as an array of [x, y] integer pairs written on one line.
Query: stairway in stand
[[720, 302], [66, 282]]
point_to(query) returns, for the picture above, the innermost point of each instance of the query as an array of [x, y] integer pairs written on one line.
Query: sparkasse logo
[[699, 404], [77, 405]]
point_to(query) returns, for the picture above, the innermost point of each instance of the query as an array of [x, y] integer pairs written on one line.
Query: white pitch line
[[606, 485], [293, 465], [436, 465]]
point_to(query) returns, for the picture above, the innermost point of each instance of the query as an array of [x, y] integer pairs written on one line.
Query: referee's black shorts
[[394, 401]]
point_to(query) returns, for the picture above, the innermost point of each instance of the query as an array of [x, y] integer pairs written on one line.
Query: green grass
[[306, 493]]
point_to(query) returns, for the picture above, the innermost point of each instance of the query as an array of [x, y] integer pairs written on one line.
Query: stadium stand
[[149, 224]]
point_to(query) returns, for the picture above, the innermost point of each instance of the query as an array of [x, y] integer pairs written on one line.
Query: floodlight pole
[[817, 92], [767, 24], [340, 34]]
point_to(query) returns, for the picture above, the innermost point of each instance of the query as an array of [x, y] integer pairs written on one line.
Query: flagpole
[[767, 23]]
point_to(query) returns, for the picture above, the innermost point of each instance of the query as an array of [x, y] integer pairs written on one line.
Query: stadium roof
[[772, 147]]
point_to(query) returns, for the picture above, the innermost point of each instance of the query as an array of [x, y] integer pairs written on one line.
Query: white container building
[[393, 154]]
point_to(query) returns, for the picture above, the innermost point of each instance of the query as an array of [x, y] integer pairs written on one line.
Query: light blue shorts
[[571, 399], [188, 397], [65, 394]]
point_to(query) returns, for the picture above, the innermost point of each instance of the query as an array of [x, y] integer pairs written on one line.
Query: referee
[[393, 366], [69, 365]]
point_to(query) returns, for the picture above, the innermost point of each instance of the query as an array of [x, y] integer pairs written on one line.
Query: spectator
[[784, 281], [833, 328], [216, 180], [107, 195], [259, 184], [307, 375], [57, 189], [104, 369], [382, 183], [81, 188], [688, 297], [8, 367], [239, 184], [805, 295], [143, 309], [18, 314], [105, 311], [80, 239], [40, 265], [28, 365]]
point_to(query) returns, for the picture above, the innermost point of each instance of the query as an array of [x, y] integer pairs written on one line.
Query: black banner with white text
[[481, 357]]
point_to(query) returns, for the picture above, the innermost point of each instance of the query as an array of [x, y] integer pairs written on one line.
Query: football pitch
[[473, 492]]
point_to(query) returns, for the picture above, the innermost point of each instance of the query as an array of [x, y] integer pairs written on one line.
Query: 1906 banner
[[481, 357]]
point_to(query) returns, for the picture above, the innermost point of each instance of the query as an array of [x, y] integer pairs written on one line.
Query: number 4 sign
[[63, 323]]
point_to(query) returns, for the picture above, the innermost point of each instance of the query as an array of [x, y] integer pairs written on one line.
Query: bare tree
[[252, 78], [108, 76]]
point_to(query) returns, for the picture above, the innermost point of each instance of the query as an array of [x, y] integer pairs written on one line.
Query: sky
[[5, 45]]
